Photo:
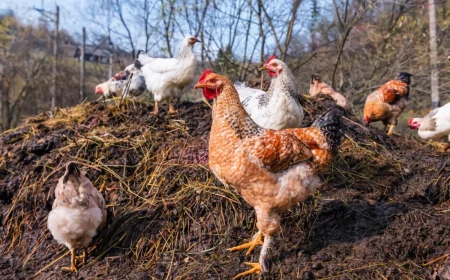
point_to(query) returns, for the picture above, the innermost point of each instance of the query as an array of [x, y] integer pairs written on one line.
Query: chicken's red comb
[[204, 74], [271, 58]]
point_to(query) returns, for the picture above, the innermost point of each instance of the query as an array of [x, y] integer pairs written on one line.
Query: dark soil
[[382, 212]]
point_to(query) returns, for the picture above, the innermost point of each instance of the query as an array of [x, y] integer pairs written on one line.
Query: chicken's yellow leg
[[256, 268], [83, 256], [445, 147], [72, 267], [171, 109], [85, 252], [260, 266], [155, 110], [441, 147], [250, 245], [391, 129]]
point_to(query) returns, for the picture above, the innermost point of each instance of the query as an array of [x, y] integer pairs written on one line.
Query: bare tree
[[345, 22]]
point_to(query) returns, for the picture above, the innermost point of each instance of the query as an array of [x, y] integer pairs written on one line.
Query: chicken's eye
[[213, 80]]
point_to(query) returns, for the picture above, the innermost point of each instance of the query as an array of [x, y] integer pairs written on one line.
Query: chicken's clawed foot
[[83, 256], [445, 147], [250, 245], [73, 267], [441, 147], [171, 109], [256, 268], [155, 110]]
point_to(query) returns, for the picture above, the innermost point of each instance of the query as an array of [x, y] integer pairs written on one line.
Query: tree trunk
[[1, 97], [433, 56], [82, 64], [55, 58]]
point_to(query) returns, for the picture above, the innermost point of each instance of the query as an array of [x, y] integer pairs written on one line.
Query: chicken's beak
[[197, 40], [199, 85], [262, 68]]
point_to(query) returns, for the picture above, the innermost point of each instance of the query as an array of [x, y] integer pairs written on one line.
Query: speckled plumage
[[257, 161], [272, 170], [279, 107]]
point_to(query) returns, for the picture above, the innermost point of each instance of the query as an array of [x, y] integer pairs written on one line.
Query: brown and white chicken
[[388, 102], [272, 170], [77, 214], [317, 87]]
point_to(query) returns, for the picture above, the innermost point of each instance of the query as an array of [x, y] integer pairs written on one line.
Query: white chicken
[[279, 107], [77, 214], [434, 126], [167, 77], [137, 84], [114, 86], [111, 88]]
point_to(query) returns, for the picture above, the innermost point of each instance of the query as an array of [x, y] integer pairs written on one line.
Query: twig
[[125, 91], [50, 264], [435, 260]]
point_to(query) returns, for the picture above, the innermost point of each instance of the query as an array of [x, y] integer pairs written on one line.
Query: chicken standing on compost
[[77, 214], [317, 87], [279, 107], [111, 88], [272, 170], [116, 84], [435, 125], [167, 77], [388, 102]]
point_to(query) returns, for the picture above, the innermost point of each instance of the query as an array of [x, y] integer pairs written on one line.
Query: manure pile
[[382, 212]]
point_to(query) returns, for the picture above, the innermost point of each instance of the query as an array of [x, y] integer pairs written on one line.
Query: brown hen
[[317, 87], [272, 170], [388, 102]]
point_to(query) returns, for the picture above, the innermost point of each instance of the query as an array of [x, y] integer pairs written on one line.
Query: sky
[[73, 17], [69, 10]]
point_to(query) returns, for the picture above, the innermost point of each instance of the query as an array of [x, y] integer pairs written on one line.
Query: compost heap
[[382, 211]]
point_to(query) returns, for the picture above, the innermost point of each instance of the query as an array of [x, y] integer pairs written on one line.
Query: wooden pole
[[433, 56], [82, 64], [110, 72], [55, 57], [1, 97]]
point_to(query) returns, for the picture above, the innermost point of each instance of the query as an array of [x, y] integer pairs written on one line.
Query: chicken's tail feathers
[[138, 64], [71, 169], [142, 58], [404, 77], [139, 52], [330, 123]]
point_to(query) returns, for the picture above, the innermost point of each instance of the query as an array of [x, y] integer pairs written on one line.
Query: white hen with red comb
[[434, 126], [279, 107]]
